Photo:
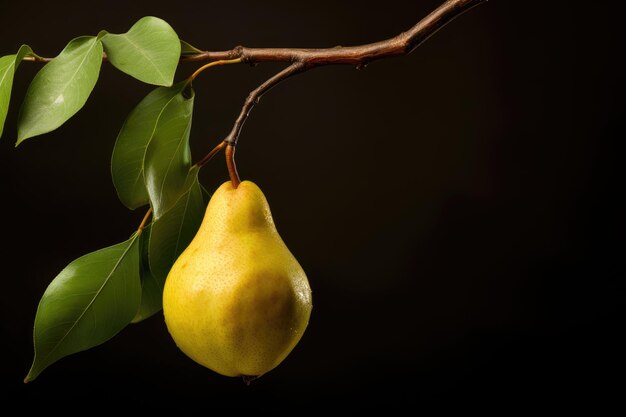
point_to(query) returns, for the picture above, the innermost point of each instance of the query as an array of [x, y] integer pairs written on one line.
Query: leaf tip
[[33, 372], [23, 134], [30, 377]]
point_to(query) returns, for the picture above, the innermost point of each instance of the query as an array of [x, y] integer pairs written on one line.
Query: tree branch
[[301, 59], [304, 59], [401, 44], [254, 97]]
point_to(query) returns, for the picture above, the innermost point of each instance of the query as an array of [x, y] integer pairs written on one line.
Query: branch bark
[[254, 97], [402, 44], [301, 60], [304, 59]]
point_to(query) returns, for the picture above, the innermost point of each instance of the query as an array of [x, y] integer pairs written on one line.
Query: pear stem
[[232, 167]]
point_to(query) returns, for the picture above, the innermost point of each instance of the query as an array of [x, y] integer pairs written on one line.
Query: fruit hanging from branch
[[235, 299]]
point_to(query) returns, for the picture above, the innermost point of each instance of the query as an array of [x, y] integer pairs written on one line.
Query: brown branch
[[255, 96], [200, 57], [301, 59], [402, 44], [304, 59]]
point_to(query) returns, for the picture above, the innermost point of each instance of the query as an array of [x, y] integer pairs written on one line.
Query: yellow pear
[[236, 300]]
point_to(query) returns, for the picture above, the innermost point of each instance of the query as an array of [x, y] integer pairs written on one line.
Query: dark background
[[454, 209]]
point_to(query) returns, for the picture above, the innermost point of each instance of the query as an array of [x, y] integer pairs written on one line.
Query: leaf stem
[[36, 58], [144, 221], [210, 155], [214, 64], [232, 167]]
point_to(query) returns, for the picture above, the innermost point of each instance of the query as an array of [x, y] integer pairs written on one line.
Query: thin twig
[[210, 155], [145, 220], [304, 59], [255, 96], [301, 59], [214, 64]]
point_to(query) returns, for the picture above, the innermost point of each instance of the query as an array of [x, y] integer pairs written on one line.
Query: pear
[[236, 300]]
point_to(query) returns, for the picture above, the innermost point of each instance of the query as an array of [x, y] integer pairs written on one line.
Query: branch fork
[[302, 60]]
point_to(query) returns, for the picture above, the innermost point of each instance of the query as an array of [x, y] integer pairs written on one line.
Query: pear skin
[[236, 300]]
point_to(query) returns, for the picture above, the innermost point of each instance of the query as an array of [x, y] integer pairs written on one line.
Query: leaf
[[151, 289], [168, 156], [89, 302], [162, 116], [149, 51], [8, 65], [173, 231], [61, 88], [187, 49]]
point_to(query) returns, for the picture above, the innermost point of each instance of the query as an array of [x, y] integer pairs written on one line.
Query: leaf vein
[[148, 58], [82, 62], [145, 148], [106, 281]]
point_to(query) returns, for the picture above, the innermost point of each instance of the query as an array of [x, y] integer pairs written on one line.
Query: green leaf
[[151, 288], [187, 49], [89, 302], [172, 234], [168, 156], [8, 65], [149, 51], [162, 117], [173, 231], [61, 88]]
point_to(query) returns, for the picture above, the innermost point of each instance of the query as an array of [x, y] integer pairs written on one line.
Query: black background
[[454, 209]]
